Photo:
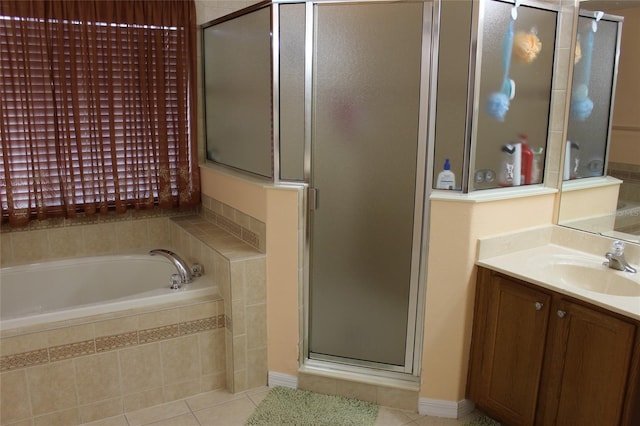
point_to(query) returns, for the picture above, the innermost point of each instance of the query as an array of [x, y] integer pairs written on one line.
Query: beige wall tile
[[362, 391], [140, 367], [132, 234], [256, 323], [30, 246], [255, 281], [318, 384], [100, 238], [100, 410], [116, 326], [159, 234], [67, 335], [212, 351], [6, 249], [180, 359], [23, 343], [257, 367], [66, 242], [239, 353], [111, 421], [14, 397], [97, 378], [198, 311], [52, 387], [240, 380], [212, 382], [181, 390], [139, 400], [158, 319], [398, 398], [238, 316], [237, 281]]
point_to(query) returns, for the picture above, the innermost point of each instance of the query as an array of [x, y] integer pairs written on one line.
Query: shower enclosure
[[367, 164], [347, 116]]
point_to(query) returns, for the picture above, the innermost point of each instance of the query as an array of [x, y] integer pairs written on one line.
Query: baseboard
[[281, 379], [444, 408]]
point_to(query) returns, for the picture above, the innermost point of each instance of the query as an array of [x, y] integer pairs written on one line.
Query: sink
[[591, 275]]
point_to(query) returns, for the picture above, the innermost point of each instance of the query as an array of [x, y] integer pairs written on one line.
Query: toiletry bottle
[[536, 170], [446, 178], [571, 161], [505, 175], [526, 161], [517, 164]]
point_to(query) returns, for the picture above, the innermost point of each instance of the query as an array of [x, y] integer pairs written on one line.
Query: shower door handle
[[313, 199]]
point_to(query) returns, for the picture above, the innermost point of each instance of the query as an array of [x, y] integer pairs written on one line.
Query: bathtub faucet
[[183, 269]]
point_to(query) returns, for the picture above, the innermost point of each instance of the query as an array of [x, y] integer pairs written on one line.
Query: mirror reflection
[[610, 204]]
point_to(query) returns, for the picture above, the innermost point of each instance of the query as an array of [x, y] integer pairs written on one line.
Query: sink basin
[[592, 275]]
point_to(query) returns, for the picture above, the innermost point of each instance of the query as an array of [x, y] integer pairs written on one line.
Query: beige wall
[[625, 135], [280, 209], [454, 231], [455, 228]]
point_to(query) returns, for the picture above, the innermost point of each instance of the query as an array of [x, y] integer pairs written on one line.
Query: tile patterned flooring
[[221, 408]]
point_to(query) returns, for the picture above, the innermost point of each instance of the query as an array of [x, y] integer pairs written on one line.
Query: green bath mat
[[286, 406]]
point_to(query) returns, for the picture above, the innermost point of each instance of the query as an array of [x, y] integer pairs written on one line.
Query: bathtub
[[74, 288]]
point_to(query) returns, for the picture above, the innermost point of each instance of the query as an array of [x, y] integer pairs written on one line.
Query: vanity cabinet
[[541, 357]]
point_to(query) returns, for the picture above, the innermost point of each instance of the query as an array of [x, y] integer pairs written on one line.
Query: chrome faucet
[[616, 260], [183, 269]]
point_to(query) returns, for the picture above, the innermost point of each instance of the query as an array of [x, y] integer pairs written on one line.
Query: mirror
[[601, 188]]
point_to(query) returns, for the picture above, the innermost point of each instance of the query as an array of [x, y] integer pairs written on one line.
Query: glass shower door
[[364, 160]]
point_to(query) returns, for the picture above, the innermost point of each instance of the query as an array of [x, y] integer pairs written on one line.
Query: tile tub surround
[[86, 236], [239, 271], [96, 367]]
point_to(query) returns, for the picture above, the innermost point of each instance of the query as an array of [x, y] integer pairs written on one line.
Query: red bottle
[[526, 161]]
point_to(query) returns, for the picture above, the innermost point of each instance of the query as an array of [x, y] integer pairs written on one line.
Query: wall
[[625, 134], [455, 227]]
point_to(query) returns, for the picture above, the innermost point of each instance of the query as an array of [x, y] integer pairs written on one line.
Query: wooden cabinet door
[[586, 374], [509, 334]]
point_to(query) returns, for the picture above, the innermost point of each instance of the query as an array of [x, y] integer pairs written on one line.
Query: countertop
[[527, 265]]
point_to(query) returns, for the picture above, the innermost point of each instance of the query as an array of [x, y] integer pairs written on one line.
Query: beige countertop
[[536, 265]]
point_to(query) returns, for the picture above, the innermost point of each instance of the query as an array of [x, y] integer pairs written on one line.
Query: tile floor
[[221, 408]]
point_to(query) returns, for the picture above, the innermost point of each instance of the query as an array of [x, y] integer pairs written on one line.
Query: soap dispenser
[[446, 178]]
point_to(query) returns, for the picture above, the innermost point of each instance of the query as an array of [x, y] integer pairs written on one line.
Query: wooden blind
[[97, 114]]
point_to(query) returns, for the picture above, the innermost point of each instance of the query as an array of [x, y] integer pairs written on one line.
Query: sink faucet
[[616, 258], [183, 269]]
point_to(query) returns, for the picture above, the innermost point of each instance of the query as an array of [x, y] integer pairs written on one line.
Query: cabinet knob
[[561, 313], [539, 306]]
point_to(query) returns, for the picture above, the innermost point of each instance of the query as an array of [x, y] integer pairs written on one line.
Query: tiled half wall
[[78, 371]]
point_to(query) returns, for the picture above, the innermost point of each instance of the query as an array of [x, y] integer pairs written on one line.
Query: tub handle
[[175, 282], [197, 270]]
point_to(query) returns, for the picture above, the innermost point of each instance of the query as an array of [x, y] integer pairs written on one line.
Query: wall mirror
[[601, 182]]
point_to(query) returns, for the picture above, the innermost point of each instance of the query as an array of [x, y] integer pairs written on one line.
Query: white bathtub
[[67, 289]]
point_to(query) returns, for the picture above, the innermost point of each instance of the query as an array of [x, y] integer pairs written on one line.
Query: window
[[98, 107]]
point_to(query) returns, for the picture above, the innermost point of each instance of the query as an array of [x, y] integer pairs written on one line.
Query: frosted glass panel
[[593, 77], [364, 154], [521, 51], [292, 32], [237, 84]]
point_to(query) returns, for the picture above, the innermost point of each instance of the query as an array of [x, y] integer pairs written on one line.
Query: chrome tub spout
[[183, 269]]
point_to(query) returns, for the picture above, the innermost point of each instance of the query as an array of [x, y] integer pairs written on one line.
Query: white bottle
[[446, 178]]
